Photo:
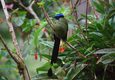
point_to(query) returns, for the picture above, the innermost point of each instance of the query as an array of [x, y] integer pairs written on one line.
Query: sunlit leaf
[[28, 25]]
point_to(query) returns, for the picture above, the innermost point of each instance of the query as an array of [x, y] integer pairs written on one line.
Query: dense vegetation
[[91, 35]]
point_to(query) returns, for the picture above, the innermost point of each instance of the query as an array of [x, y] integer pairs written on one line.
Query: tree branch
[[30, 10], [10, 53], [19, 60], [87, 6], [52, 26], [80, 54], [11, 30], [76, 17]]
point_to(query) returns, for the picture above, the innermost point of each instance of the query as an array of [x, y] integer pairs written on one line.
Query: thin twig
[[48, 19], [52, 26], [30, 10], [74, 7], [96, 14], [10, 53], [80, 54], [87, 6], [73, 10], [75, 14]]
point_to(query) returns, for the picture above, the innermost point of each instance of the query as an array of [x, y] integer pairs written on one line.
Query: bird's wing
[[61, 28]]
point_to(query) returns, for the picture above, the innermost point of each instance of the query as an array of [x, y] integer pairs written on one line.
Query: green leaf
[[44, 76], [41, 4], [99, 7], [111, 14], [96, 33], [22, 13], [47, 43], [105, 51], [74, 71], [112, 2], [89, 49], [46, 56], [60, 72], [45, 67], [0, 56], [41, 76], [28, 25], [19, 20], [107, 58], [37, 35]]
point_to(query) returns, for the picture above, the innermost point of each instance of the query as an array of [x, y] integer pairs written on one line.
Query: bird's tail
[[54, 53], [55, 50]]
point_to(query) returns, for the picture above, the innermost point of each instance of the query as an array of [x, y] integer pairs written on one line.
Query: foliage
[[91, 41], [99, 35]]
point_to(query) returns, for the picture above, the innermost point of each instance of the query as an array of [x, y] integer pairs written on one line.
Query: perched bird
[[60, 33]]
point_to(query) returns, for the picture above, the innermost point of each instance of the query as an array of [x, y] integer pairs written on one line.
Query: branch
[[80, 54], [18, 58], [74, 7], [87, 5], [11, 30], [95, 13], [76, 16], [52, 26], [30, 10], [48, 19], [10, 53], [50, 22]]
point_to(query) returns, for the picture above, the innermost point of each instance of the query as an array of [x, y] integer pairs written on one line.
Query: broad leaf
[[74, 71], [45, 67]]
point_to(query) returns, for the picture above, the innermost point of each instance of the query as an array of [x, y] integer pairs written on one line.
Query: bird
[[60, 27]]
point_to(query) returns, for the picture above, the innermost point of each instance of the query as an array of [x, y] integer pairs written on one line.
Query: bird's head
[[58, 16]]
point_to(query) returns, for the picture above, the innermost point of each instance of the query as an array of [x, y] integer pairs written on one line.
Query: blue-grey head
[[58, 16]]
